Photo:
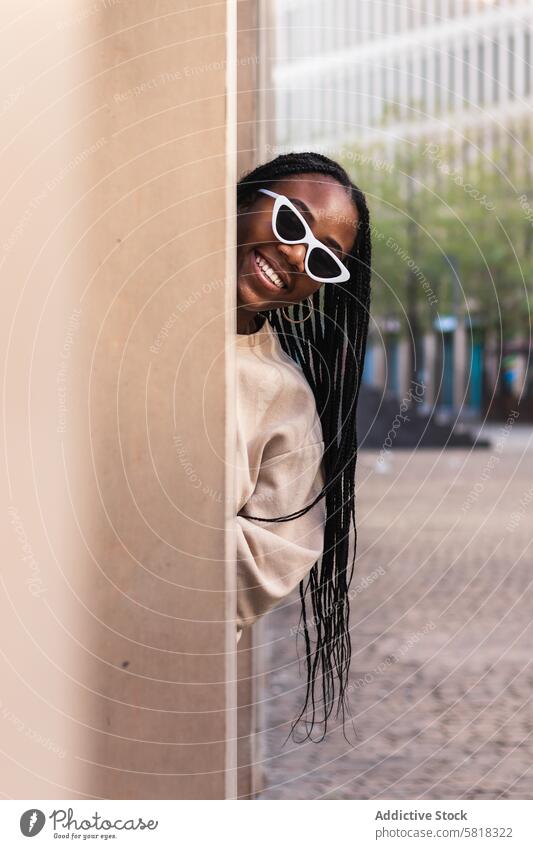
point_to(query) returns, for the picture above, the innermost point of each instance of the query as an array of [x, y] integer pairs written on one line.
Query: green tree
[[452, 232]]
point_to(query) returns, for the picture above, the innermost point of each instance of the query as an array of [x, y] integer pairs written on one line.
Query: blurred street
[[442, 668]]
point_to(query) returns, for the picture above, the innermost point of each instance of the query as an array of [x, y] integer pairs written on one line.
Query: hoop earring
[[300, 320]]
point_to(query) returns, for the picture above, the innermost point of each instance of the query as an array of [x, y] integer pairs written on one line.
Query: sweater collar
[[263, 336]]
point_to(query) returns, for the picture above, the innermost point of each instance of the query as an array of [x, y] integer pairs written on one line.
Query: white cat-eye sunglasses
[[290, 227]]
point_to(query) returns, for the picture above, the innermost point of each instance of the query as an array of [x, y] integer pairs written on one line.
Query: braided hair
[[330, 349]]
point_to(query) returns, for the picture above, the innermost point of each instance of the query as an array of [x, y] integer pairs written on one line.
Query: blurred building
[[373, 72]]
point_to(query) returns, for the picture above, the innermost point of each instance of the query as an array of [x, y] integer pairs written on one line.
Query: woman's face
[[331, 215]]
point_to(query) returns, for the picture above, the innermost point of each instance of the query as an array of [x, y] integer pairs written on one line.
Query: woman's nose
[[295, 255]]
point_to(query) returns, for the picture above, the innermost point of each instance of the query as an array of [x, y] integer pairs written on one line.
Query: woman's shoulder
[[275, 399], [262, 360]]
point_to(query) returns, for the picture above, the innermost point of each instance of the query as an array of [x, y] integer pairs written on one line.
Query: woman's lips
[[263, 279]]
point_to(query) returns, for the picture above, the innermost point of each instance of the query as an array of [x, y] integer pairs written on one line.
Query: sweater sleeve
[[273, 557]]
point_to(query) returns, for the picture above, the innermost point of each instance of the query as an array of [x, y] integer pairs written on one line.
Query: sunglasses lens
[[322, 264], [289, 225]]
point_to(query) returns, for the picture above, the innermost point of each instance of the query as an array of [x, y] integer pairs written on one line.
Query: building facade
[[379, 74]]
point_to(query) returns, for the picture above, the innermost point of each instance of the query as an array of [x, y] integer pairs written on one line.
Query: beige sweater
[[279, 470]]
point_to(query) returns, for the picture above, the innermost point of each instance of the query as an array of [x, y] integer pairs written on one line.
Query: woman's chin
[[248, 299]]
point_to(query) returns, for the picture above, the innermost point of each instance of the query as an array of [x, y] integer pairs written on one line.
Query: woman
[[303, 297]]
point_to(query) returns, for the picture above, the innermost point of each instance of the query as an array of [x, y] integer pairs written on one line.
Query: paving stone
[[452, 716]]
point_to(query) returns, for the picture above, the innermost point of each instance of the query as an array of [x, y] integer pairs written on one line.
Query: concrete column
[[472, 70], [459, 71], [445, 76], [519, 60], [404, 83], [118, 640], [430, 84], [417, 78], [503, 76]]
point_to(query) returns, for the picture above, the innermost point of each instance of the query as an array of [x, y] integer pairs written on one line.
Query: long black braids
[[330, 349]]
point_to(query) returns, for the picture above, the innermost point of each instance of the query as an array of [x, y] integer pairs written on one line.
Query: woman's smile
[[267, 273]]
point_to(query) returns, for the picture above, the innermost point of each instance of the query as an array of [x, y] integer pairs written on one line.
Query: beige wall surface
[[117, 646]]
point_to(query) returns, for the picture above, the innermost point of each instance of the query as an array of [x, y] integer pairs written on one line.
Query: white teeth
[[269, 272]]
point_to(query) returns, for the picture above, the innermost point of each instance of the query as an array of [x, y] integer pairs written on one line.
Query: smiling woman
[[303, 234]]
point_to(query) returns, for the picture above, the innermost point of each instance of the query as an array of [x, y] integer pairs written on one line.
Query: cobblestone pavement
[[442, 637]]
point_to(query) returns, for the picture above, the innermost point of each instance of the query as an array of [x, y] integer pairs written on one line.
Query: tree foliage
[[452, 231]]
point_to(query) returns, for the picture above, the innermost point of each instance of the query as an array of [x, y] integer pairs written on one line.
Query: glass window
[[349, 22], [324, 108], [281, 40], [451, 77], [511, 65], [291, 52], [423, 83], [281, 114], [481, 72], [347, 98], [329, 20], [307, 110], [371, 20], [495, 70], [357, 97], [397, 18], [527, 60], [383, 92], [409, 85], [437, 81], [466, 73], [290, 115], [313, 45], [395, 87], [372, 100]]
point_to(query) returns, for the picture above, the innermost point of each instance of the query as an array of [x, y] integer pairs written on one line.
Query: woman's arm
[[273, 557]]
